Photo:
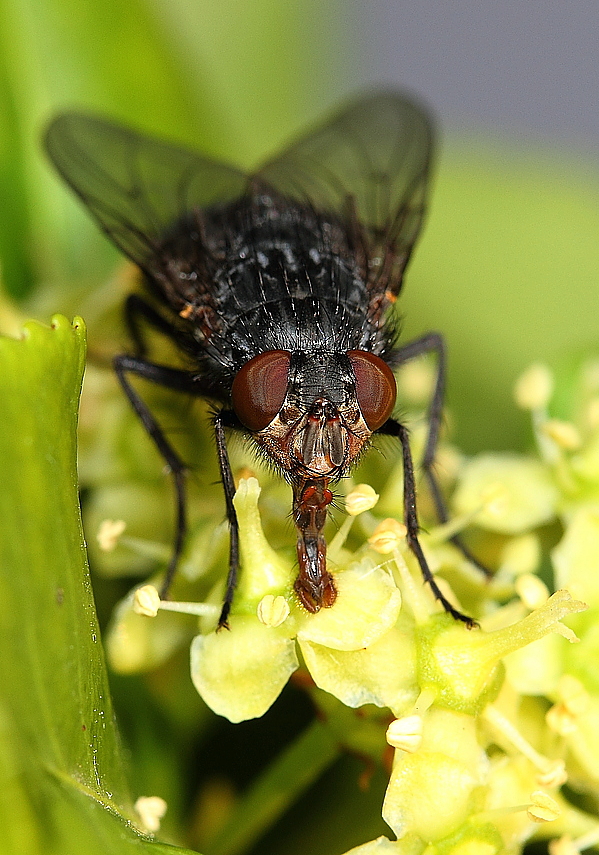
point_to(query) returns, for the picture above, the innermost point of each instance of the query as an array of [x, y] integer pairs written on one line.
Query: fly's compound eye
[[376, 389], [259, 388]]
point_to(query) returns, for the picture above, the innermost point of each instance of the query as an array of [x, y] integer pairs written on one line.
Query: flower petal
[[513, 492], [239, 674], [367, 606], [367, 676], [429, 794]]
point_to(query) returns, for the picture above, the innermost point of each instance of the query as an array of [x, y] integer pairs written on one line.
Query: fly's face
[[327, 438], [313, 413], [319, 442]]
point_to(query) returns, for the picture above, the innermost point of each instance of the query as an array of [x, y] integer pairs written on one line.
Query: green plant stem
[[277, 788]]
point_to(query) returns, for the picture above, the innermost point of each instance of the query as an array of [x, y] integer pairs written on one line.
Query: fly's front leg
[[226, 418], [431, 343], [171, 379], [411, 519], [434, 343], [181, 381]]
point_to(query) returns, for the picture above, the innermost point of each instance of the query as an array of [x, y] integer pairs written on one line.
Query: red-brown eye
[[259, 388], [375, 387]]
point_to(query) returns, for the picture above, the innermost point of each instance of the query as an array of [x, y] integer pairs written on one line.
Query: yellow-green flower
[[486, 724]]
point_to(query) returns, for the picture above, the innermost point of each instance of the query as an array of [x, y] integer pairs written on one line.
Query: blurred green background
[[507, 269]]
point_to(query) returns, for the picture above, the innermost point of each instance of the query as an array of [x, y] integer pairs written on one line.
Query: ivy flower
[[485, 724]]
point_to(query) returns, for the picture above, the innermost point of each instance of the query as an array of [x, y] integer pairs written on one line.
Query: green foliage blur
[[508, 264]]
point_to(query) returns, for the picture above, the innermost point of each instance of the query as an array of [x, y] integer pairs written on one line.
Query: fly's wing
[[369, 168], [136, 187]]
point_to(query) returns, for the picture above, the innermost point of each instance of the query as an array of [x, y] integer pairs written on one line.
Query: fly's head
[[313, 413]]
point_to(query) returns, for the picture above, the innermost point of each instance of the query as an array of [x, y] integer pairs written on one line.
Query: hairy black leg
[[434, 343], [226, 418], [136, 309], [429, 343], [180, 381], [411, 520]]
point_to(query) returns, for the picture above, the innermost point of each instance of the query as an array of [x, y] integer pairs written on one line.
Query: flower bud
[[534, 388], [109, 533], [146, 601], [361, 498]]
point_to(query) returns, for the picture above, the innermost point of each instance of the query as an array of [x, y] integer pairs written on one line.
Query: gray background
[[528, 67], [514, 85]]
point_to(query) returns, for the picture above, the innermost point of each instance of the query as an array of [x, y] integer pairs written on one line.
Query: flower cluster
[[485, 725]]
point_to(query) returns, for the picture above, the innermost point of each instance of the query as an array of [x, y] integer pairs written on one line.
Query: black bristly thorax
[[282, 277]]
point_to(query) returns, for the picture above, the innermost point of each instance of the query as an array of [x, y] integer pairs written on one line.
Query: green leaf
[[62, 776]]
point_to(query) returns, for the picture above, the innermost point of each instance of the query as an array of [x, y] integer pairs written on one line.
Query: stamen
[[405, 733], [564, 434], [543, 808], [534, 388], [150, 810], [109, 533], [361, 498], [147, 602], [272, 611], [387, 536]]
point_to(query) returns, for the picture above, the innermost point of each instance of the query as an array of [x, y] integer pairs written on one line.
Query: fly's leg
[[136, 309], [433, 342], [226, 418], [180, 381], [394, 428]]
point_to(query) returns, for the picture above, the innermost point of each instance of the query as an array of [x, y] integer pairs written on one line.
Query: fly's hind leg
[[228, 419]]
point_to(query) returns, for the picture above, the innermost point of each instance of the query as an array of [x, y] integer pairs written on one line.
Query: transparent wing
[[136, 187], [368, 165]]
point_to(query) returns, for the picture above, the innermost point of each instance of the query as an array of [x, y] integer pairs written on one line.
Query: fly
[[278, 287]]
